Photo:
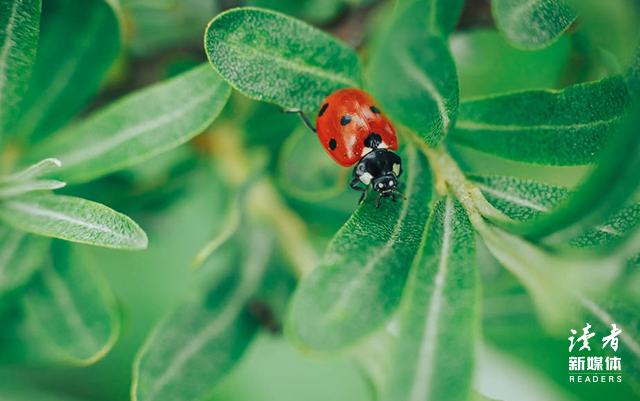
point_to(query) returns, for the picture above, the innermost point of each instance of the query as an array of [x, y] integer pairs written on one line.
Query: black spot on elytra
[[332, 144], [346, 119], [372, 141], [323, 109], [375, 109]]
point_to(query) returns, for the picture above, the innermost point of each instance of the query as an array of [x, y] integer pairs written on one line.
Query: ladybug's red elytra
[[347, 121], [352, 129]]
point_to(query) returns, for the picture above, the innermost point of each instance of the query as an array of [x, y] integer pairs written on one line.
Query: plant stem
[[449, 176], [543, 274]]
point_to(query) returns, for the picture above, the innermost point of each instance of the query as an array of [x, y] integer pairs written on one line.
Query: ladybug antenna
[[304, 118], [395, 191]]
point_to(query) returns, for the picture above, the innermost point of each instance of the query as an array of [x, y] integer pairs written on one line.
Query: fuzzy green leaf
[[72, 219], [359, 283], [616, 227], [526, 200], [71, 314], [199, 342], [602, 194], [567, 127], [531, 24], [438, 324], [78, 44], [271, 57], [414, 77], [315, 11], [139, 126], [33, 172], [441, 16], [21, 255], [521, 200], [19, 28], [320, 179], [20, 188]]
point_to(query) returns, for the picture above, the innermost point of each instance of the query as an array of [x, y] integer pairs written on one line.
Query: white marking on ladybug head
[[366, 178], [396, 169], [365, 150], [380, 185], [391, 183], [383, 145]]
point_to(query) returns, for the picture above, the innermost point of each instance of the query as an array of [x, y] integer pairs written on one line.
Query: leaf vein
[[424, 371], [293, 65], [80, 155]]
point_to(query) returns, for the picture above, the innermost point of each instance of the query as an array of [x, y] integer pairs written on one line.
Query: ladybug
[[352, 129]]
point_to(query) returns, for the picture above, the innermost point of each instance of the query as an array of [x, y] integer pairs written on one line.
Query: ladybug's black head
[[385, 184]]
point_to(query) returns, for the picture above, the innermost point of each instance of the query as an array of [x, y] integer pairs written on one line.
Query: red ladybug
[[352, 129], [347, 121]]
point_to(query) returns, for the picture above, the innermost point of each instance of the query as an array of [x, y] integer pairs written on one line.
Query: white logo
[[595, 371]]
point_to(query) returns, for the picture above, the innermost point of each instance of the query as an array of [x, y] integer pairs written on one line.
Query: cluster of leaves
[[399, 287]]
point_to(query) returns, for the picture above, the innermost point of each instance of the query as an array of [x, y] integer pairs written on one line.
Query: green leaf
[[20, 188], [616, 227], [32, 172], [19, 28], [414, 77], [199, 342], [526, 200], [359, 283], [602, 193], [441, 16], [487, 64], [230, 225], [70, 310], [521, 200], [567, 127], [139, 126], [315, 11], [271, 57], [78, 44], [530, 24], [438, 322], [320, 179], [26, 180], [21, 255], [72, 219]]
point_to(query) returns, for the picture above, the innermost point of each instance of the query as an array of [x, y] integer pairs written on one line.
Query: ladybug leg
[[354, 184], [304, 118], [393, 197], [378, 201]]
